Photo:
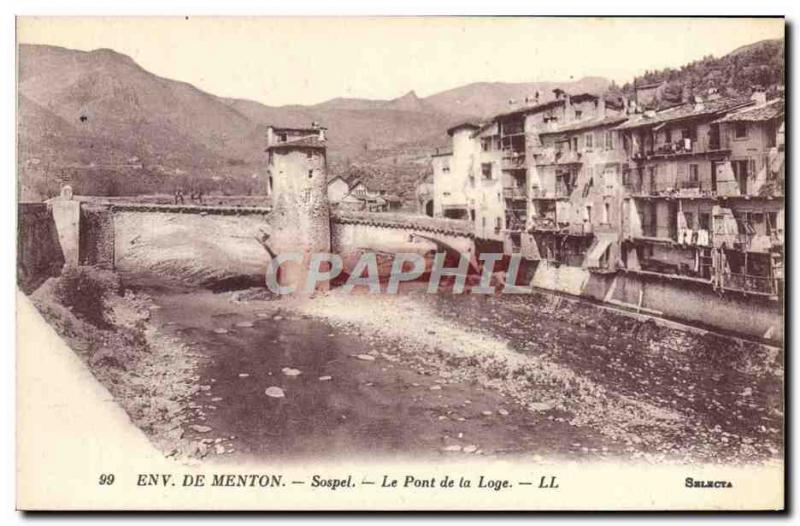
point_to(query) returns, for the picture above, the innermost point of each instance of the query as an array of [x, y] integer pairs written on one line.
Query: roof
[[580, 97], [585, 125], [336, 177], [689, 110], [290, 129], [772, 110], [531, 109], [310, 142], [650, 85], [467, 124], [441, 154]]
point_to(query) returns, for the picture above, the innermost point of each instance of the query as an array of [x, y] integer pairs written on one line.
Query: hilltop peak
[[407, 102]]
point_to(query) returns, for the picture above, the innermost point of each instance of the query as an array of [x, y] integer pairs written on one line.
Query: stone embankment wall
[[694, 303], [39, 254]]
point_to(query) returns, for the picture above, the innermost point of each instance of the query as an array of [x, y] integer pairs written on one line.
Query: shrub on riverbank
[[85, 291]]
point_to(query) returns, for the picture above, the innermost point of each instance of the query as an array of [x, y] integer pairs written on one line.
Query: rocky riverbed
[[237, 376]]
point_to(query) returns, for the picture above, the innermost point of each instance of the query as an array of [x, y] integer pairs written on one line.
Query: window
[[587, 213], [626, 175], [609, 140], [667, 135], [693, 173], [689, 217], [578, 114], [486, 144], [589, 140], [486, 170], [498, 223], [606, 210], [309, 154], [740, 174], [652, 174], [574, 143], [772, 136], [772, 223], [704, 221], [310, 174], [740, 130]]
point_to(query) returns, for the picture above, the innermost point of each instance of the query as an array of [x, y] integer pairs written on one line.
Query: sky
[[288, 60]]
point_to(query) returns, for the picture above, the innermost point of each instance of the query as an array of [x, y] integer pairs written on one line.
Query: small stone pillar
[[67, 217]]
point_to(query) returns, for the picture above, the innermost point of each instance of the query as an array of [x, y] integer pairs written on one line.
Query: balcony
[[561, 191], [513, 160], [568, 157], [748, 283], [514, 193]]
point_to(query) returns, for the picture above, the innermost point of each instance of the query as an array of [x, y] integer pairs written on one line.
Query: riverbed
[[430, 375]]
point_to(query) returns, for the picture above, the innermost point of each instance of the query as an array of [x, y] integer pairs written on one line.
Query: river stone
[[436, 388], [245, 324], [324, 378], [199, 428], [219, 449], [470, 449], [220, 330], [486, 413], [216, 399], [243, 375], [540, 406], [366, 357], [274, 392], [289, 371], [453, 448], [502, 412]]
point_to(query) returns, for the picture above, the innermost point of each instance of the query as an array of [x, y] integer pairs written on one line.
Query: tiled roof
[[312, 141], [585, 125], [532, 109], [685, 111], [468, 124], [771, 110]]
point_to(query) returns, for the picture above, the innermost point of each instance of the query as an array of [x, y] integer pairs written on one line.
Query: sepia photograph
[[412, 263]]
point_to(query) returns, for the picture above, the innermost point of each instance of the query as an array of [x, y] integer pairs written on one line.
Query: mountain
[[100, 122], [489, 98], [736, 74]]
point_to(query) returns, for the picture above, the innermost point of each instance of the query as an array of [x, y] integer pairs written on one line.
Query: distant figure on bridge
[[178, 196]]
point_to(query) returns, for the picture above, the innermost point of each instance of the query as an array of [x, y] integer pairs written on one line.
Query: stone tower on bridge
[[296, 182]]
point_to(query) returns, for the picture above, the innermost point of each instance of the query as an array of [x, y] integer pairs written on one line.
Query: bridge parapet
[[189, 209], [450, 227]]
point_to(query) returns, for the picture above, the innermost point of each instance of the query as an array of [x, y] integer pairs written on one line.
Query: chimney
[[270, 135], [322, 131], [759, 96], [698, 103]]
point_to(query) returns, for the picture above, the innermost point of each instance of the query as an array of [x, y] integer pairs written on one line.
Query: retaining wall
[[39, 254]]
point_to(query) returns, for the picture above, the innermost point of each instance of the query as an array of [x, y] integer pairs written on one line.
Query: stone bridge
[[204, 244]]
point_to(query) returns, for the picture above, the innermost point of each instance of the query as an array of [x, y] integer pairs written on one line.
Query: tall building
[[693, 192], [297, 183]]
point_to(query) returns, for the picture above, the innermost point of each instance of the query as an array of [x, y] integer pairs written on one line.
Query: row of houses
[[354, 194], [693, 191]]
